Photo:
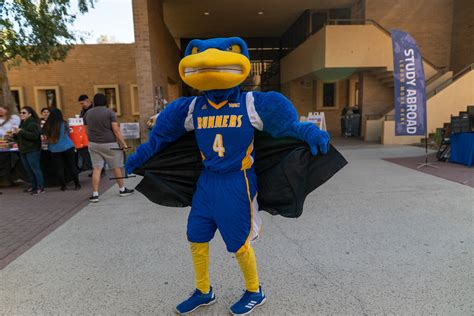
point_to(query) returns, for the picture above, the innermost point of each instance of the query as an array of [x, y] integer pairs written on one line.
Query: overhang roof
[[186, 18]]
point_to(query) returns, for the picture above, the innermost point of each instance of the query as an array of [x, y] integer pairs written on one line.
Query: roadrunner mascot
[[223, 123]]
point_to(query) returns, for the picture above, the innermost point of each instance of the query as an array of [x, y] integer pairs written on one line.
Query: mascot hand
[[318, 138]]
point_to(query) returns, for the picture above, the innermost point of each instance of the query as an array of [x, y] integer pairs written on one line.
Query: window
[[134, 96], [18, 96], [329, 95], [356, 101], [353, 90], [111, 92], [47, 97], [326, 95]]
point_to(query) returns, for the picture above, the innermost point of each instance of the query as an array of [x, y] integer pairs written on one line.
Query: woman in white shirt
[[7, 120]]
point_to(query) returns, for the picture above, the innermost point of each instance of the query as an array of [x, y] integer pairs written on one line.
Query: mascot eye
[[234, 48], [195, 50]]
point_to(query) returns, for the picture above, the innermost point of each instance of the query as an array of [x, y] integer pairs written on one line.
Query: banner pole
[[426, 164], [426, 146]]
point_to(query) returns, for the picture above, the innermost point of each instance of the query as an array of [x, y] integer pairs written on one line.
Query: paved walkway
[[378, 238], [26, 219], [446, 170]]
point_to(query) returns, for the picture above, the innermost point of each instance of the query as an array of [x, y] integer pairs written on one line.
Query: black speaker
[[455, 124], [464, 122], [470, 111]]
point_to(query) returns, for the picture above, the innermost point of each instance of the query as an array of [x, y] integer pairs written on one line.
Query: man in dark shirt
[[104, 138], [86, 104]]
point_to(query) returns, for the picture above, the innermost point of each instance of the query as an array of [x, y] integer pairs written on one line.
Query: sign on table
[[318, 119]]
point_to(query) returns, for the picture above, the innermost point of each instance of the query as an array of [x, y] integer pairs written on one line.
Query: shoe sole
[[207, 304], [260, 304], [93, 201], [125, 194]]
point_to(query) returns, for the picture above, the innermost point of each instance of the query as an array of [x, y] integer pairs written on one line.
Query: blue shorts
[[227, 202]]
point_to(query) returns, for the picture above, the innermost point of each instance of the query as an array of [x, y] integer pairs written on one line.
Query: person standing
[[86, 104], [28, 138], [7, 120], [44, 116], [104, 135], [61, 147]]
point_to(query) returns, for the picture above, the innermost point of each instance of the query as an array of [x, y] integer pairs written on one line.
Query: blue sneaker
[[195, 300], [248, 302]]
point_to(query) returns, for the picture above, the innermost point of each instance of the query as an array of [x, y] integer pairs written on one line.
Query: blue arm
[[280, 119], [169, 126]]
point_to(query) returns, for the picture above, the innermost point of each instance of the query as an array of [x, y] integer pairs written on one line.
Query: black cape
[[286, 173]]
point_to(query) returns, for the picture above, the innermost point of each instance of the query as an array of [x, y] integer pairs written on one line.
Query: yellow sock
[[200, 253], [248, 265]]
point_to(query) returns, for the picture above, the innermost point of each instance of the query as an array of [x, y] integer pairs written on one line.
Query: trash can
[[350, 122]]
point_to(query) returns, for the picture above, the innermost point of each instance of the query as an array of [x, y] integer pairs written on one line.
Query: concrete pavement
[[378, 238]]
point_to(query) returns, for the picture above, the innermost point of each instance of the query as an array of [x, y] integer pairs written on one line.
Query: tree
[[36, 31]]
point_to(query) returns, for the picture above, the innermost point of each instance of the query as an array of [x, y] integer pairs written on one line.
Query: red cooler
[[77, 132]]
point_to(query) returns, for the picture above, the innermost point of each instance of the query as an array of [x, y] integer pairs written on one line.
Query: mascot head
[[215, 64]]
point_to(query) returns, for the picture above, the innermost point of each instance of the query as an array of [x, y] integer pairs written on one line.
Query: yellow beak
[[214, 69]]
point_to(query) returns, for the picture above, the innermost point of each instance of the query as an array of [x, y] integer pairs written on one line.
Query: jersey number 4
[[218, 145]]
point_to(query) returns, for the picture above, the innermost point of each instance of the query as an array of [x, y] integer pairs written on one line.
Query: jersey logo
[[219, 121], [234, 105], [204, 107]]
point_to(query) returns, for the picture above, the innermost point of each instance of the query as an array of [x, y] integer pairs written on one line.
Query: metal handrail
[[364, 21], [435, 77], [449, 81]]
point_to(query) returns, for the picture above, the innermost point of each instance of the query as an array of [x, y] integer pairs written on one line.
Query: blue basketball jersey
[[224, 135]]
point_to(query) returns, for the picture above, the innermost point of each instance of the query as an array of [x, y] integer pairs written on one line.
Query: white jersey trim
[[256, 221], [255, 119], [188, 123]]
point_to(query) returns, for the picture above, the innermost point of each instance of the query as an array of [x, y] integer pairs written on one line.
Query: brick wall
[[84, 67], [462, 50], [428, 21], [302, 95], [375, 97], [157, 56]]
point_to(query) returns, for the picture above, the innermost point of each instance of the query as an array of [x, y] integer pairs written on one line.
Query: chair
[[444, 150]]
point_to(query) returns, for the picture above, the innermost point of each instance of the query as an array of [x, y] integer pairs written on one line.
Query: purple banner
[[409, 79]]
